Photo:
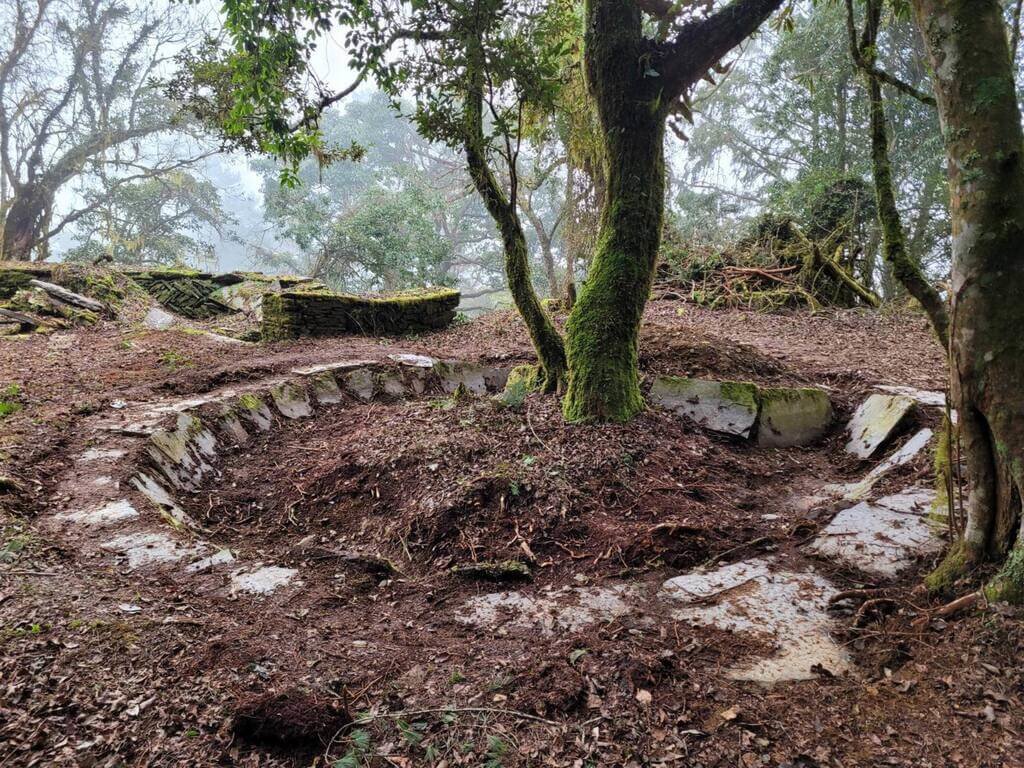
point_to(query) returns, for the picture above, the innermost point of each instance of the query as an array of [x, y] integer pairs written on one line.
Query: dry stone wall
[[294, 314]]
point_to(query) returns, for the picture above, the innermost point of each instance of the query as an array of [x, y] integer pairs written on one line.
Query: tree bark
[[603, 328], [981, 123], [546, 340], [634, 81], [24, 223]]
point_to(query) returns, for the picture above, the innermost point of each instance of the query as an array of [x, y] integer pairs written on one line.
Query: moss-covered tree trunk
[[894, 248], [603, 327], [546, 340], [634, 80], [24, 223], [981, 124]]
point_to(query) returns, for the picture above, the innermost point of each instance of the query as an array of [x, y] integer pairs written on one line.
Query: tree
[[974, 87], [78, 102], [865, 55], [165, 220], [635, 81]]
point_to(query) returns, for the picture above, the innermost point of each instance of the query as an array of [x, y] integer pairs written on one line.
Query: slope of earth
[[388, 522]]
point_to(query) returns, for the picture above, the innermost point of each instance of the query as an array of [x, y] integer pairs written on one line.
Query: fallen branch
[[70, 297]]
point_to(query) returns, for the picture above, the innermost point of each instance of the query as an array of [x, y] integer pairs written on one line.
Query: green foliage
[[9, 396], [167, 220]]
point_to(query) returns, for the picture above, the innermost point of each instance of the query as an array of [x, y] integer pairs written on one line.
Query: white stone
[[414, 361], [148, 548], [339, 365], [875, 421], [158, 319], [923, 396], [477, 379], [787, 608], [727, 407], [875, 539], [96, 454], [262, 581], [907, 452], [105, 515], [911, 501], [564, 611], [220, 557]]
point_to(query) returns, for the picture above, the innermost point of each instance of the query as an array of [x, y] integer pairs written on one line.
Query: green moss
[[742, 392], [522, 380], [250, 402], [1008, 585], [12, 281], [297, 313], [8, 400], [953, 566]]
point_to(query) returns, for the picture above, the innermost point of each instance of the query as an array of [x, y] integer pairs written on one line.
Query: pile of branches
[[776, 266]]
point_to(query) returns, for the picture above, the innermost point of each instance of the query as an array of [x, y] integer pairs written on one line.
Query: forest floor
[[379, 659]]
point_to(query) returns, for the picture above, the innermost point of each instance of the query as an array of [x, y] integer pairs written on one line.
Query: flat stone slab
[[565, 610], [220, 557], [788, 609], [906, 453], [414, 361], [922, 396], [141, 549], [339, 365], [875, 421], [721, 406], [876, 539], [291, 400], [792, 416], [99, 454], [100, 516], [262, 581]]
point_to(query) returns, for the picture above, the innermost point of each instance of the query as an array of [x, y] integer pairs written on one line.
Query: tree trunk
[[894, 248], [23, 224], [546, 340], [980, 121], [603, 328]]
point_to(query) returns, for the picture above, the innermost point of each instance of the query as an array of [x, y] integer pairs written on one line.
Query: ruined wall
[[292, 314]]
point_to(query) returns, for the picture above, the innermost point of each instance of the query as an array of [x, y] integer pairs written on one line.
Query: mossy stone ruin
[[294, 314]]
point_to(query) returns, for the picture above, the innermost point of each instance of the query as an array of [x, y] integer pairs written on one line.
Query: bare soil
[[390, 511]]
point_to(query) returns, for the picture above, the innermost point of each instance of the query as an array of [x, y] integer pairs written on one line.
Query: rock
[[326, 389], [875, 422], [158, 320], [923, 396], [414, 361], [476, 378], [876, 539], [220, 557], [157, 494], [728, 407], [566, 610], [788, 609], [907, 452], [255, 411], [113, 512], [291, 400], [182, 454], [792, 416], [504, 570], [246, 296], [361, 383], [142, 549], [262, 581]]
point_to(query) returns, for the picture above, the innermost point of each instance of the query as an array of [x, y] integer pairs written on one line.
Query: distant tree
[[78, 103], [864, 52], [164, 220]]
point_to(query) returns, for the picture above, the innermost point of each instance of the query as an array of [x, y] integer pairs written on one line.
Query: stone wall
[[292, 314]]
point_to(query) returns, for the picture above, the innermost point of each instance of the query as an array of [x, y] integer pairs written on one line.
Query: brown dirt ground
[[198, 678]]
